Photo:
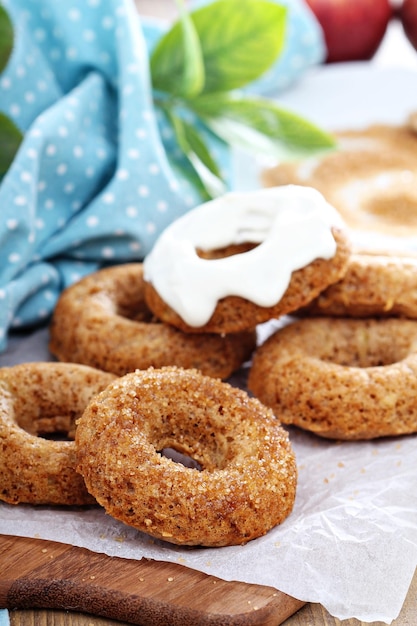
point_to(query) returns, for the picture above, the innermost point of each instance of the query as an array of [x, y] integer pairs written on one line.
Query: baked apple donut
[[371, 180], [341, 378], [36, 401], [295, 247], [247, 481], [103, 321], [376, 284]]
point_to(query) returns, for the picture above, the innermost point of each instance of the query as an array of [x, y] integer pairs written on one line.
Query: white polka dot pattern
[[93, 181]]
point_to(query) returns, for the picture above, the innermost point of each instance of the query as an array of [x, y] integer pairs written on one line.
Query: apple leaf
[[238, 119], [194, 148], [10, 140], [193, 77], [10, 135], [198, 67], [6, 38], [176, 63], [239, 40]]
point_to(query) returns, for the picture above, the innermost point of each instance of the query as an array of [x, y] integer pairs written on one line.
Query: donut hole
[[360, 345], [204, 443], [40, 421], [56, 428], [193, 451], [135, 310], [222, 253], [45, 400], [179, 457], [124, 299], [133, 307]]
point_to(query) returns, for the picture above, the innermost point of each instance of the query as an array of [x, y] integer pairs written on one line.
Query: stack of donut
[[347, 369], [136, 383], [145, 349]]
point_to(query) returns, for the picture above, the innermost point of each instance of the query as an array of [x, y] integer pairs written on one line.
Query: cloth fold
[[94, 181], [4, 617]]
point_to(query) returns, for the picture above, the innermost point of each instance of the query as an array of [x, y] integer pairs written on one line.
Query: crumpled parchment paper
[[350, 543]]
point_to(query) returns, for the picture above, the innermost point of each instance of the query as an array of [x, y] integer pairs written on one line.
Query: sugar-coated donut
[[295, 248], [36, 401], [247, 480], [103, 321], [371, 180], [376, 284], [341, 378]]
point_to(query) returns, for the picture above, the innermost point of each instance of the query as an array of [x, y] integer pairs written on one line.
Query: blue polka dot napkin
[[4, 617], [93, 181]]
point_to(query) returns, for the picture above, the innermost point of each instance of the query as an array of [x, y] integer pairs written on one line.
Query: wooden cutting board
[[44, 574]]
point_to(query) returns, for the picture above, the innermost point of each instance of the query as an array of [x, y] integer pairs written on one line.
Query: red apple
[[408, 14], [353, 29]]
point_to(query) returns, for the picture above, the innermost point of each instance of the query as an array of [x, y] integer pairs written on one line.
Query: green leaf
[[193, 72], [6, 38], [177, 63], [189, 173], [255, 122], [199, 148], [10, 139], [205, 170], [239, 39], [210, 52]]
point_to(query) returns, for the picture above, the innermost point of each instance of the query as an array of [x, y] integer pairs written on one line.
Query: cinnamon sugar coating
[[341, 378], [247, 480], [103, 321], [371, 180], [36, 401]]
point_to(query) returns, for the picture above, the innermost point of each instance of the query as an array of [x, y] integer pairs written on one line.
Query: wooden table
[[394, 51]]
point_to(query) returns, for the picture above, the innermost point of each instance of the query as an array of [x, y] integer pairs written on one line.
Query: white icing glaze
[[291, 224]]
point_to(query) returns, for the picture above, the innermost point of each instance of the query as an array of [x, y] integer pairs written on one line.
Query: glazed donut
[[371, 180], [295, 247], [103, 321], [376, 284], [36, 400], [341, 378], [247, 481]]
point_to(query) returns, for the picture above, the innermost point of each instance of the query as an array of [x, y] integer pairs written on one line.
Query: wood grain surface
[[309, 615], [45, 574]]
